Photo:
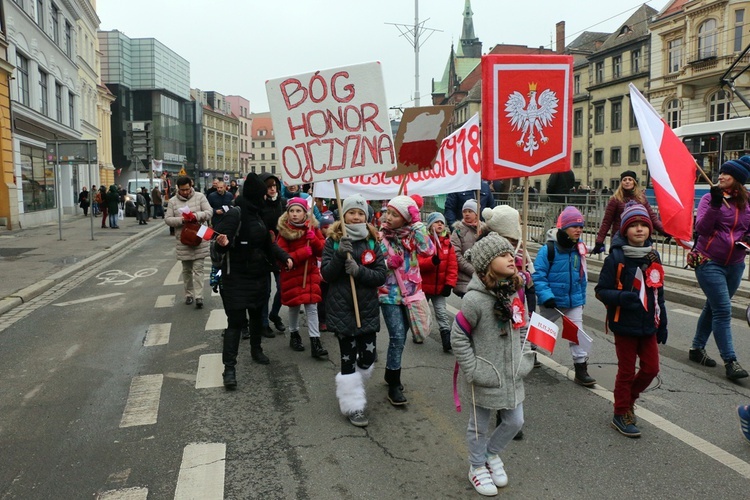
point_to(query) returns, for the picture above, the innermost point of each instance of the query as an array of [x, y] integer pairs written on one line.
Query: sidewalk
[[34, 260]]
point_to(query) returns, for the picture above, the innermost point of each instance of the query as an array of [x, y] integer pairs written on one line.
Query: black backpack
[[218, 258]]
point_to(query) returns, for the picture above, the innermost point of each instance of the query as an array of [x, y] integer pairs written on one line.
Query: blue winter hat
[[739, 169], [634, 212], [434, 217]]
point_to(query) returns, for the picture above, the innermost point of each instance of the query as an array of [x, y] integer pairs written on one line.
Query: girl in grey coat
[[486, 341]]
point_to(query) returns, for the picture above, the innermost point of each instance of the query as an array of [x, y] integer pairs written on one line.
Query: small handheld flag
[[542, 333]]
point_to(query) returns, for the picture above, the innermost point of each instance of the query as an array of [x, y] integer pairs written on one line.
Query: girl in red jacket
[[439, 274], [300, 237]]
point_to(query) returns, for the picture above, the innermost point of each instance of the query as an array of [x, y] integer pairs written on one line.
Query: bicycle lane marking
[[699, 444]]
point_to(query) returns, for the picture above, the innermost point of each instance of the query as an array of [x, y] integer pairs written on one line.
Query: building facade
[[150, 82], [240, 107], [263, 145], [221, 135], [8, 192], [45, 104]]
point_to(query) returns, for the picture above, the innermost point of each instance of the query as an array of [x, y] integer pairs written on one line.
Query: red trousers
[[628, 385]]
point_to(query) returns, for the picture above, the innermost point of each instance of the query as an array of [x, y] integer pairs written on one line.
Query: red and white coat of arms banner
[[527, 108]]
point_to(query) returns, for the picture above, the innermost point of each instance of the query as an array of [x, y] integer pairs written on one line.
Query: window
[[273, 156], [37, 180], [635, 61], [68, 39], [633, 123], [578, 122], [634, 155], [614, 156], [23, 79], [616, 66], [262, 144], [598, 184], [263, 156], [576, 84], [71, 110], [675, 55], [58, 102], [599, 72], [55, 24], [598, 157], [617, 115], [43, 97], [718, 106], [19, 3], [739, 18], [273, 144], [707, 39], [40, 13], [674, 114], [599, 119], [577, 158]]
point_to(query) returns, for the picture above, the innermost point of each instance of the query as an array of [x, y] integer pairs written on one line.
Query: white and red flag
[[638, 284], [542, 333], [205, 232], [671, 166], [572, 333]]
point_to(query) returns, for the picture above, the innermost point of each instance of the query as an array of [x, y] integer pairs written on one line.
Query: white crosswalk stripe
[[142, 407], [157, 334], [217, 320], [164, 301], [124, 494], [202, 472], [210, 368]]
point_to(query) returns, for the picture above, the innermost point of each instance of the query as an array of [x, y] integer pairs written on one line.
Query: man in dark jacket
[[559, 185], [218, 200], [274, 206], [454, 203]]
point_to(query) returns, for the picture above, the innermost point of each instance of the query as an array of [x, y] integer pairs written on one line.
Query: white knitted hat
[[504, 220]]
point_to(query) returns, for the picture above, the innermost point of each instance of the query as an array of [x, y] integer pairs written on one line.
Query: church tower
[[470, 46]]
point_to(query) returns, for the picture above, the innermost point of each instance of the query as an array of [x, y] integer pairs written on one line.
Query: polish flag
[[638, 285], [420, 144], [205, 232], [542, 333], [671, 166], [572, 333]]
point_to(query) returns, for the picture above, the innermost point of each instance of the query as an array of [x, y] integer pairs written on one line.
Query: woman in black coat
[[251, 252]]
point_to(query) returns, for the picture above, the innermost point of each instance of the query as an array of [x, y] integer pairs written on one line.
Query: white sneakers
[[482, 481], [497, 470]]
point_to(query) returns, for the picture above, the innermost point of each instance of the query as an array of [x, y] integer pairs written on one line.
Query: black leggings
[[359, 349]]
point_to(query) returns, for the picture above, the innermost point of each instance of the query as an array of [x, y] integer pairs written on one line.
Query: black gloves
[[661, 335], [717, 196], [598, 248], [667, 239], [446, 292], [351, 267], [435, 260], [345, 246], [550, 304]]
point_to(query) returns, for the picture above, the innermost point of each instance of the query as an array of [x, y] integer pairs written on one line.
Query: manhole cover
[[13, 252]]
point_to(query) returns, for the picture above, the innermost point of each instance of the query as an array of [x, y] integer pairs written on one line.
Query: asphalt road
[[99, 400]]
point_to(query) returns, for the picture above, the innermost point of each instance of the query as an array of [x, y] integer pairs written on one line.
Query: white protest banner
[[457, 168], [332, 124]]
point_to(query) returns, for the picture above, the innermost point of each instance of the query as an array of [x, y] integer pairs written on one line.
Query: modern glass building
[[151, 83]]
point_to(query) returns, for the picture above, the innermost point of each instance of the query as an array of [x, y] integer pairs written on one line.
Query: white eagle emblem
[[533, 117]]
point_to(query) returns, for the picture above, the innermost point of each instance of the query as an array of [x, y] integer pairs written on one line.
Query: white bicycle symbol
[[117, 277]]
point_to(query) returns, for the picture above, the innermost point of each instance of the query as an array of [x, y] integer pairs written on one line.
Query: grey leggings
[[480, 445]]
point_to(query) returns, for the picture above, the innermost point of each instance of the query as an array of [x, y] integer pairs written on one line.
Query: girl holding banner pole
[[404, 239], [486, 340]]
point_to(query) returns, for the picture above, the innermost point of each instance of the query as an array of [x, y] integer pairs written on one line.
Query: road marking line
[[157, 334], [690, 439], [164, 301], [124, 494], [202, 472], [142, 407], [210, 368], [687, 313], [174, 277], [217, 320], [88, 299]]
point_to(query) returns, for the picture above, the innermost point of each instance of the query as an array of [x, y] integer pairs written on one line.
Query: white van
[[133, 187]]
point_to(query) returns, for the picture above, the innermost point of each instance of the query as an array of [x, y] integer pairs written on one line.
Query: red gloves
[[189, 217], [414, 213], [308, 251], [310, 234]]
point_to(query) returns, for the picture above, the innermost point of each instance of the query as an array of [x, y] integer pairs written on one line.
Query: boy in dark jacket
[[357, 255], [273, 206], [631, 285]]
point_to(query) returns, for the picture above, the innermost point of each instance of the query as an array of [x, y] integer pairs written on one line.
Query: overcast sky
[[234, 46]]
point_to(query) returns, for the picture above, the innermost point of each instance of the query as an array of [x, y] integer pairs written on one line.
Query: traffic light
[[141, 141]]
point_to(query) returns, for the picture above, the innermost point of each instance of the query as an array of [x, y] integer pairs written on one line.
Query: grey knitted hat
[[486, 249], [354, 201]]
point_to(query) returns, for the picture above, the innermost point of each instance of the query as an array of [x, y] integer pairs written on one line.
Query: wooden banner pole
[[524, 227], [348, 255], [309, 215], [726, 203]]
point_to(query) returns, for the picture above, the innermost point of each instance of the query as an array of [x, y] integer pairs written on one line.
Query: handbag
[[189, 234], [420, 318]]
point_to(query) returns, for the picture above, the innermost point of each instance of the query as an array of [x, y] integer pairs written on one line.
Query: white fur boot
[[350, 391], [366, 374]]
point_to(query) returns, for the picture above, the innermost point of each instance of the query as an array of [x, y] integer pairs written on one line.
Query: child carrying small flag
[[631, 285], [487, 345]]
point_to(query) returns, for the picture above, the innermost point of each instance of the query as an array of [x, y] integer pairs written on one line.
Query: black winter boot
[[445, 336], [256, 351], [295, 341], [582, 375], [316, 348], [230, 378], [393, 379]]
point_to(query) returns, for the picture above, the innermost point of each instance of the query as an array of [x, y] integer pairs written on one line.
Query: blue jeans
[[113, 220], [397, 321], [719, 284], [276, 306]]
